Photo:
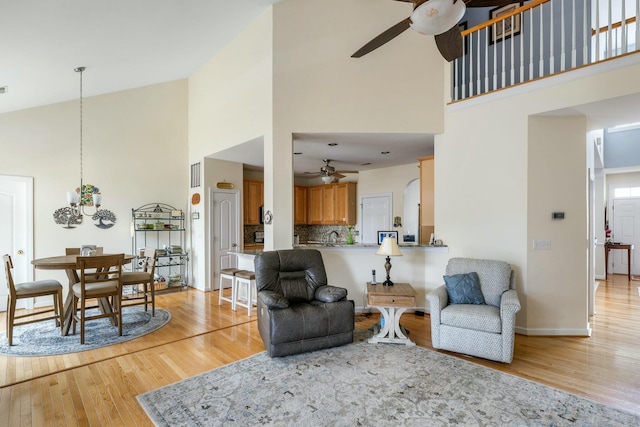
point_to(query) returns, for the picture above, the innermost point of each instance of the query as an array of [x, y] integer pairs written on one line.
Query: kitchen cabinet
[[253, 197], [328, 204], [344, 203], [427, 211], [332, 204], [162, 227], [300, 205], [314, 204]]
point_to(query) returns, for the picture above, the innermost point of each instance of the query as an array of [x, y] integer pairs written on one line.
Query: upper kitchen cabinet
[[300, 205], [427, 215], [253, 200], [344, 203], [315, 197], [332, 204]]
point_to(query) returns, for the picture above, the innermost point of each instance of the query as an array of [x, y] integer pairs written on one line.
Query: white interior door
[[376, 216], [226, 231], [16, 232], [626, 230]]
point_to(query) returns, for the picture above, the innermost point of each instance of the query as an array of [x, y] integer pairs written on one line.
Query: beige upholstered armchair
[[483, 325]]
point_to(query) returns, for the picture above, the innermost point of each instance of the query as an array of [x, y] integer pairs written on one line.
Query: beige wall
[[318, 87], [483, 169], [556, 281], [387, 180], [489, 159], [229, 103], [134, 151]]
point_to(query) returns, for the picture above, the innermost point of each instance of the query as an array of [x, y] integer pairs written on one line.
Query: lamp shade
[[389, 247]]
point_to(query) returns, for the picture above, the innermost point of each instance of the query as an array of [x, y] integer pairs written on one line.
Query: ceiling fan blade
[[383, 38], [337, 175], [346, 172], [450, 44], [488, 3]]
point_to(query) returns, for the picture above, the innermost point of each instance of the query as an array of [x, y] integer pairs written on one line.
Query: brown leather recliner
[[297, 310]]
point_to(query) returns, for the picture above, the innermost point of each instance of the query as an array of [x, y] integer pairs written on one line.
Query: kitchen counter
[[314, 245]]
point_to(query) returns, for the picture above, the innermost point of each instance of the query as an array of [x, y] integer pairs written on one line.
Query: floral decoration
[[86, 196]]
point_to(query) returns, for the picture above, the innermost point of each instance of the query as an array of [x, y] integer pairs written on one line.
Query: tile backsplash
[[318, 233]]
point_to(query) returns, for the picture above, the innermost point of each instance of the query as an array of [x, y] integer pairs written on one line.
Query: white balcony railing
[[543, 38]]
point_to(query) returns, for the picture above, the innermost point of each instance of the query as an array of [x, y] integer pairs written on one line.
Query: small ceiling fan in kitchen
[[329, 173], [437, 18]]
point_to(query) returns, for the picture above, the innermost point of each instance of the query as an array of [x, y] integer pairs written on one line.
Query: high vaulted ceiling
[[124, 44]]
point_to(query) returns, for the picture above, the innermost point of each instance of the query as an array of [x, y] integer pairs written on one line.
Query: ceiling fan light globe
[[437, 16], [327, 179]]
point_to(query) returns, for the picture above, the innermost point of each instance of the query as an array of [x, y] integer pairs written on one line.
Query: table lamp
[[389, 248]]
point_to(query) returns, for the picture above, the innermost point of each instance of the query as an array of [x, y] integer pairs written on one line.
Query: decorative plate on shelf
[[195, 199]]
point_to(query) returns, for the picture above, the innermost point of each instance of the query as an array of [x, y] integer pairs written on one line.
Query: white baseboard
[[586, 332]]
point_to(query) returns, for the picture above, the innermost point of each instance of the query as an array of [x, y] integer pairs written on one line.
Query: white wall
[[318, 87], [134, 151], [494, 175], [229, 104], [387, 180]]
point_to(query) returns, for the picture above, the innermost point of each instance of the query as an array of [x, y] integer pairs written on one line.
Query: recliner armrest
[[509, 303], [438, 298], [273, 300], [330, 293]]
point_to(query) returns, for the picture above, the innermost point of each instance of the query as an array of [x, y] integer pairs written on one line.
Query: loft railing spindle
[[552, 62], [531, 44], [562, 38], [623, 29], [486, 60]]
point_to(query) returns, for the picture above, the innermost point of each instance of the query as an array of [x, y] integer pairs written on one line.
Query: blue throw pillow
[[464, 288]]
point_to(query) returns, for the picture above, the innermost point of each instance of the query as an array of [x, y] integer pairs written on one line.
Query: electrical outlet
[[542, 245]]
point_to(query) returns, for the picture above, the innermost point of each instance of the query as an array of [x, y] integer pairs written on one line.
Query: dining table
[[69, 264]]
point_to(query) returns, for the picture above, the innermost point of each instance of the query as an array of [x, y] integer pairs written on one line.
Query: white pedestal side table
[[392, 301]]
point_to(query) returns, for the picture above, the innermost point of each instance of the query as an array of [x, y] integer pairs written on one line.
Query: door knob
[[20, 252], [233, 245]]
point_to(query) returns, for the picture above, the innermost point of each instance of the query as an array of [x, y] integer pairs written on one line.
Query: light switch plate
[[542, 245]]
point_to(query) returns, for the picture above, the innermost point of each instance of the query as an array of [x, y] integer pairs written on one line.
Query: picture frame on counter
[[383, 234]]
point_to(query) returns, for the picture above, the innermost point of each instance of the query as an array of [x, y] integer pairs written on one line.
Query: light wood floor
[[99, 387]]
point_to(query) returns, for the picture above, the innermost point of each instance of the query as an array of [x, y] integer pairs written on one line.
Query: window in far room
[[623, 192]]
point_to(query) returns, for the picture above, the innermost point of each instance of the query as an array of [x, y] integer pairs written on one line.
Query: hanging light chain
[[80, 70]]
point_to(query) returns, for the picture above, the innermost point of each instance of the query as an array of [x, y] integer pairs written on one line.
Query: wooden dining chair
[[144, 277], [100, 278], [30, 290]]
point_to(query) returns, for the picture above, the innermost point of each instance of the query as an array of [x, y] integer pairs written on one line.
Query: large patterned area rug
[[364, 384], [44, 338]]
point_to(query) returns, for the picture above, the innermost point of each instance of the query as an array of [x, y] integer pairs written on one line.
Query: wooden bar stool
[[228, 274], [247, 280]]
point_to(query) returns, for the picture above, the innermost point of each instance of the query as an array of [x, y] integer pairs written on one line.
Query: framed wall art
[[509, 27], [383, 234]]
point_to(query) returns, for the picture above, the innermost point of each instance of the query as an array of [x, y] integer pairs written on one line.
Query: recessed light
[[332, 144], [385, 152], [298, 153], [4, 89]]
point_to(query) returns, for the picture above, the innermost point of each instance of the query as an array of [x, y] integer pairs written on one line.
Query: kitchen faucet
[[329, 234]]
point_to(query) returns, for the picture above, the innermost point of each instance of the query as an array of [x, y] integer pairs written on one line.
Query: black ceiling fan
[[437, 18]]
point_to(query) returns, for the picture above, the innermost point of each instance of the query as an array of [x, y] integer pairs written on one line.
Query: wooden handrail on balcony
[[501, 18], [614, 25], [547, 46]]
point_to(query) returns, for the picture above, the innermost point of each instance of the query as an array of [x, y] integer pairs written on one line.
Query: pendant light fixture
[[86, 195]]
